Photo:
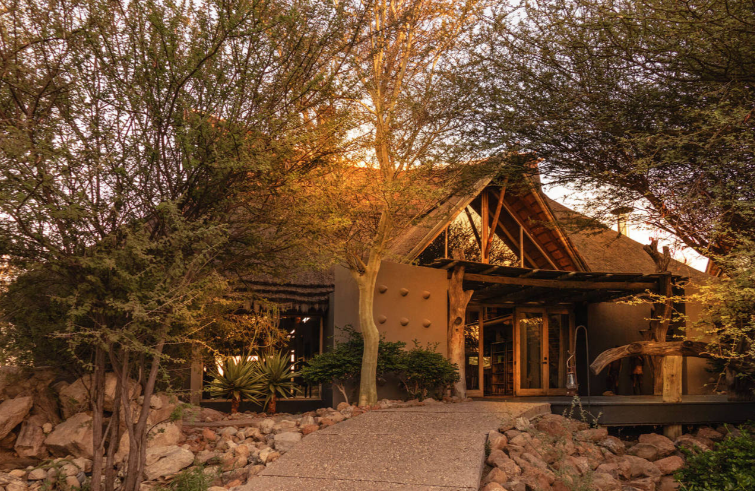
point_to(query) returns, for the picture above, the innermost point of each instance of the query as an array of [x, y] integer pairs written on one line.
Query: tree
[[342, 365], [142, 144], [406, 152], [650, 102]]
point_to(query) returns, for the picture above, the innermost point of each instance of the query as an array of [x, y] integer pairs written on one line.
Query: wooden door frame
[[479, 392], [545, 311], [517, 353]]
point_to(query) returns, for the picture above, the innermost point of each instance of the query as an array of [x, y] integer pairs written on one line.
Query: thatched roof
[[300, 290], [606, 250]]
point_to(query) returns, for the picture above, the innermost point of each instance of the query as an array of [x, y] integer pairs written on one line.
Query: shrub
[[728, 467], [343, 363], [275, 377], [424, 371], [236, 380], [193, 479]]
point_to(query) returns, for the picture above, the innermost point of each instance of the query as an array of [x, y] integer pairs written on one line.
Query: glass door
[[530, 373], [542, 339]]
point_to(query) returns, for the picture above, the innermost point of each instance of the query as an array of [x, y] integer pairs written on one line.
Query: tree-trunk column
[[457, 308]]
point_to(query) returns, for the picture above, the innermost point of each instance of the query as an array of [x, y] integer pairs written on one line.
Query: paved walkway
[[438, 447]]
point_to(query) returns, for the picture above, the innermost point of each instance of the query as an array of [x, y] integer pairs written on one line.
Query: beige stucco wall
[[394, 306]]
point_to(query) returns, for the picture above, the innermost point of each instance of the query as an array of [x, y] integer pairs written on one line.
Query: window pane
[[530, 351]]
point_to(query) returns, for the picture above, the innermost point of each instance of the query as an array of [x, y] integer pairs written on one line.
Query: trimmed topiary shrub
[[730, 466]]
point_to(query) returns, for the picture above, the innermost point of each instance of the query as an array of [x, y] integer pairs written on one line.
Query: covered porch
[[520, 325]]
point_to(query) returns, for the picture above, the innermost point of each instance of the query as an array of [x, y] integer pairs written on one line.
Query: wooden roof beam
[[526, 232], [566, 284]]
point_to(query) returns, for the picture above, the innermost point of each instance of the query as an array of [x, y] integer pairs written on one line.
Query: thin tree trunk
[[115, 437], [368, 377], [98, 404], [235, 402], [272, 406]]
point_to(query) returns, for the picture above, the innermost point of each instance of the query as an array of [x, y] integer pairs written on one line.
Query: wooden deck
[[651, 410]]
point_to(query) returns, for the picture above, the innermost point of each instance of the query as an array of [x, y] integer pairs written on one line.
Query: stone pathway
[[438, 447]]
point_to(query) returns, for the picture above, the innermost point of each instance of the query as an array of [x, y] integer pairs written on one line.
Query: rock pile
[[229, 448], [557, 453]]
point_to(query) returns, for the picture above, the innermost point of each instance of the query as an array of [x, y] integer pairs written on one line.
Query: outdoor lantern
[[571, 376]]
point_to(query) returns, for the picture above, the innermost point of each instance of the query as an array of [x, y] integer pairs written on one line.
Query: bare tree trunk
[[368, 377], [137, 432], [457, 308], [98, 404], [272, 406], [115, 437]]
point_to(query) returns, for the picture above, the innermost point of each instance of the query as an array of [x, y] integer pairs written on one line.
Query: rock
[[231, 461], [165, 435], [306, 421], [605, 482], [205, 456], [591, 435], [667, 483], [19, 473], [664, 445], [72, 482], [83, 464], [286, 441], [69, 470], [521, 423], [216, 488], [266, 426], [644, 484], [343, 405], [646, 451], [284, 426], [669, 465], [228, 431], [74, 398], [613, 444], [307, 429], [691, 443], [497, 441], [496, 475], [253, 470], [12, 412], [8, 442], [16, 486], [209, 435], [521, 439], [31, 439], [37, 475], [709, 434], [164, 461], [553, 428], [268, 455], [639, 467], [72, 437], [493, 486]]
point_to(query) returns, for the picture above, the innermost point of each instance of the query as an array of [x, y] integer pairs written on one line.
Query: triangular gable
[[546, 245]]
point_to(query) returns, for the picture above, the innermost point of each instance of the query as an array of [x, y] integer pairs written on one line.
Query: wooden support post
[[485, 227], [672, 390], [521, 245], [458, 299]]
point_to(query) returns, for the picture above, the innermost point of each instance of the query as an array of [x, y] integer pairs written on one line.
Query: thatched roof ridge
[[605, 249]]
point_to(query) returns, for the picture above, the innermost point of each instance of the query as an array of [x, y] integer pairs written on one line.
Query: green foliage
[[424, 371], [728, 467], [236, 379], [343, 363], [275, 377], [192, 479]]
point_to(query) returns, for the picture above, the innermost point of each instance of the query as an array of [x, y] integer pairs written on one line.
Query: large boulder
[[12, 412], [72, 437], [164, 461], [31, 439], [75, 397], [663, 444], [163, 435]]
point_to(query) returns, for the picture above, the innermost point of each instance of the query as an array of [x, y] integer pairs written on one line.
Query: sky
[[681, 253]]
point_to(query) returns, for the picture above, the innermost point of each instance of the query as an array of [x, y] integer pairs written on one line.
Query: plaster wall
[[394, 307]]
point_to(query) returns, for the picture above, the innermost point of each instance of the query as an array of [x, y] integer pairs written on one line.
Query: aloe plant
[[275, 378], [237, 380]]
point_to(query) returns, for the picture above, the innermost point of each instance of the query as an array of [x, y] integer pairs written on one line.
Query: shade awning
[[511, 285]]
